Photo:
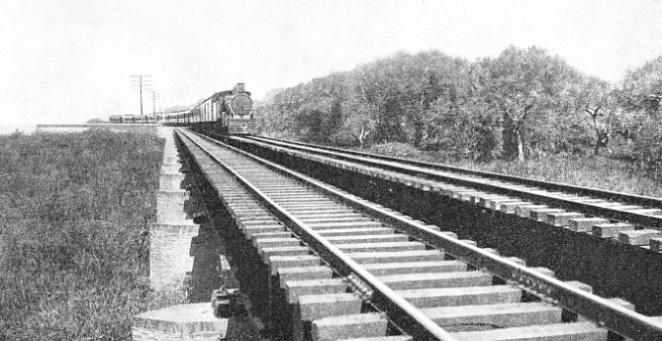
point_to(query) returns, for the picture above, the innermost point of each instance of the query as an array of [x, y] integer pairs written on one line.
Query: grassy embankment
[[590, 171], [74, 212]]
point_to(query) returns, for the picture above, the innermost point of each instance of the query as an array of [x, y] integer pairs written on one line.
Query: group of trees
[[523, 102]]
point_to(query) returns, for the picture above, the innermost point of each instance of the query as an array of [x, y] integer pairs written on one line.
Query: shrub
[[647, 149], [396, 149]]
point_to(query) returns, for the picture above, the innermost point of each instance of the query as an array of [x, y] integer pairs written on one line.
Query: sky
[[67, 61]]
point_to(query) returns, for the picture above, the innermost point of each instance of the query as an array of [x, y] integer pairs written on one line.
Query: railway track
[[631, 219], [344, 268]]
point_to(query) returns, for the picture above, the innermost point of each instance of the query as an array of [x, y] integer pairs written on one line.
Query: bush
[[396, 149], [647, 149], [343, 138]]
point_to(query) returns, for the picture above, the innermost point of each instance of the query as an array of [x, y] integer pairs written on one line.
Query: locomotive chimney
[[241, 87]]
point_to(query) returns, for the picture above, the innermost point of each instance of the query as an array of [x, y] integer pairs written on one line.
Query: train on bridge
[[227, 112]]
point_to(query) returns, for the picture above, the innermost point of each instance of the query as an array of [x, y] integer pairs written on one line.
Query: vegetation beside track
[[524, 104], [74, 215], [591, 171]]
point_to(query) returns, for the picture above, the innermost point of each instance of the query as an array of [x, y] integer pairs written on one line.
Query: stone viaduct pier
[[172, 251]]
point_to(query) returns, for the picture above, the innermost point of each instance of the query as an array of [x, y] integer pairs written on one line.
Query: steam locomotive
[[226, 112]]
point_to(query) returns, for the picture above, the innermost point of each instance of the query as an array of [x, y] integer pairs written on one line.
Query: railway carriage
[[128, 119], [140, 119]]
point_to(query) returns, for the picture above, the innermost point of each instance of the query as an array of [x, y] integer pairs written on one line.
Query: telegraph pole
[[142, 81]]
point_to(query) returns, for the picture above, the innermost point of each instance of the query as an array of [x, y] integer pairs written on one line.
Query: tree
[[377, 86], [360, 119], [602, 132], [642, 88], [524, 85], [583, 95], [522, 101], [639, 97]]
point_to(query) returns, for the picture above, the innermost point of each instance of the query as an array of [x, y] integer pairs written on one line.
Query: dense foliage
[[74, 214], [521, 104]]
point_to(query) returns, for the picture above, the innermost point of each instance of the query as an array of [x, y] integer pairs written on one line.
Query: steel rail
[[400, 310], [621, 320], [551, 199], [550, 185]]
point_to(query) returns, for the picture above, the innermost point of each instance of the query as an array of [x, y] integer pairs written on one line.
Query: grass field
[[591, 171], [74, 216]]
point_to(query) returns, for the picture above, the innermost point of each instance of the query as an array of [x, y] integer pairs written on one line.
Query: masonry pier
[[172, 241]]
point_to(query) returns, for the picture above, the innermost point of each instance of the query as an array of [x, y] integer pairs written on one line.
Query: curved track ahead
[[381, 256]]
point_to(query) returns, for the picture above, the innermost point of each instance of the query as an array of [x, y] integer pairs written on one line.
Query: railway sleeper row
[[308, 299], [628, 233]]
